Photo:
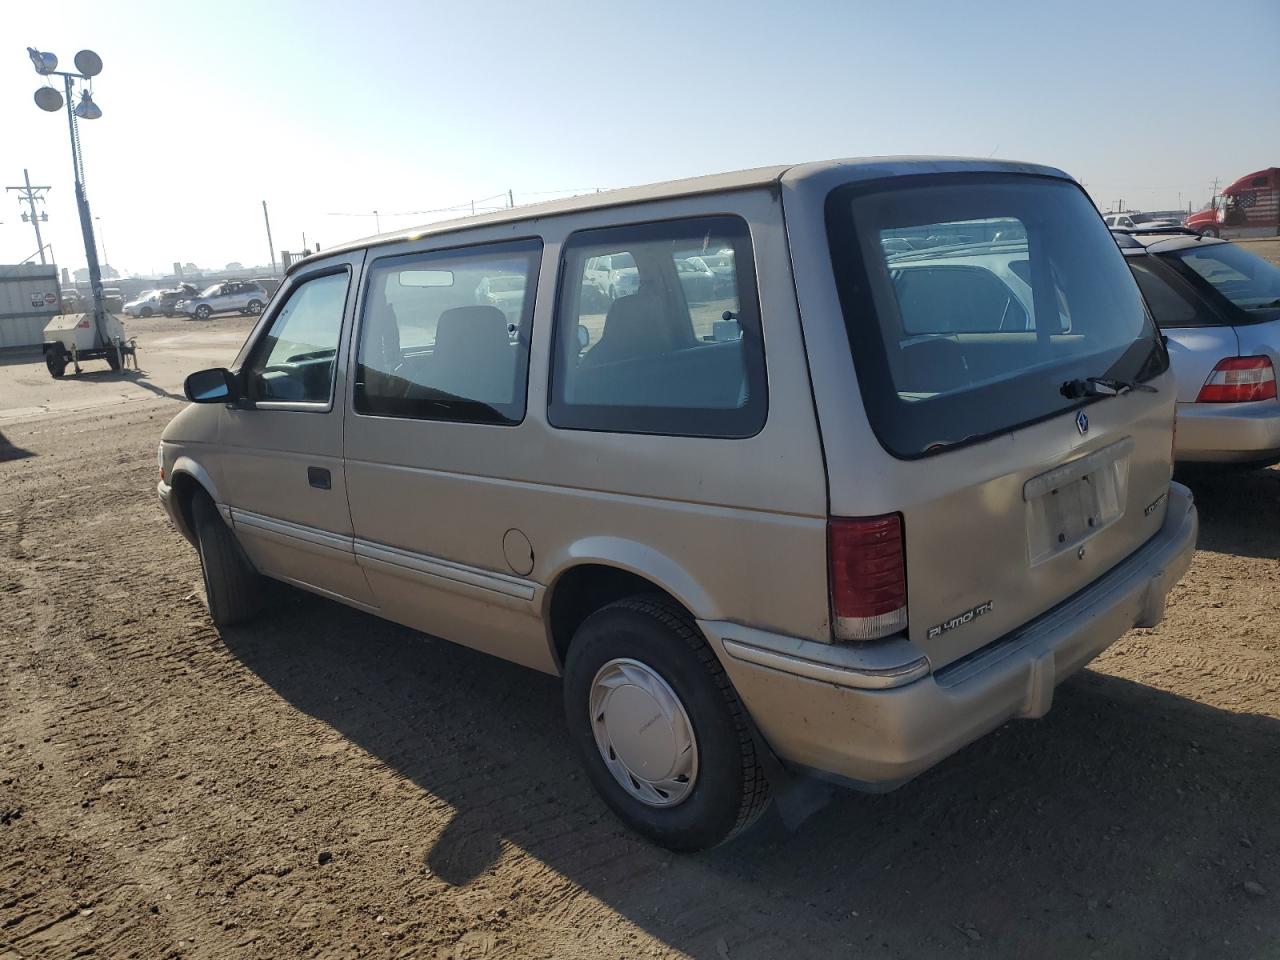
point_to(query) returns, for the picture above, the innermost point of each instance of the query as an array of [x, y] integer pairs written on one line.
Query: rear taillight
[[1239, 380], [868, 577]]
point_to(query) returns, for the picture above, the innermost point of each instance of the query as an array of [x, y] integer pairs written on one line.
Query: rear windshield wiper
[[1102, 387]]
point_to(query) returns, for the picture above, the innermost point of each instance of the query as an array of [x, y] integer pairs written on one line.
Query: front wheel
[[660, 729], [203, 312], [232, 587], [147, 313], [56, 363], [254, 308]]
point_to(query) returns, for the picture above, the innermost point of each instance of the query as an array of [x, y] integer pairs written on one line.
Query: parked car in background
[[696, 279], [146, 304], [712, 549], [241, 296], [169, 299], [504, 292], [615, 274], [1133, 218], [1219, 306]]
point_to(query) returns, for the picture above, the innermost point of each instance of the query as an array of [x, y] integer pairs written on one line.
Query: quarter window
[[294, 361], [445, 335], [1169, 307], [659, 344]]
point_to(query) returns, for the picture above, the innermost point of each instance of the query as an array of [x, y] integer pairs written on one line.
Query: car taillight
[[868, 577], [1239, 380], [83, 324]]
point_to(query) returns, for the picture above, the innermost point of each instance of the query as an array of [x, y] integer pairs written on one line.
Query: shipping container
[[29, 296]]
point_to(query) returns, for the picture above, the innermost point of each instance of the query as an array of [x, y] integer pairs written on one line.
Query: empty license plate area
[[1077, 500]]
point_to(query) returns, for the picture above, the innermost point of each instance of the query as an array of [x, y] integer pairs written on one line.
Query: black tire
[[146, 313], [56, 363], [113, 359], [254, 308], [731, 789], [233, 589], [203, 312]]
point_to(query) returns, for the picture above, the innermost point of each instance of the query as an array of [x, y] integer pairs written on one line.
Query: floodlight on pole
[[86, 109], [88, 65]]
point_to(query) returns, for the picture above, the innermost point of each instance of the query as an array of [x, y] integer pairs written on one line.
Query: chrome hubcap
[[643, 733]]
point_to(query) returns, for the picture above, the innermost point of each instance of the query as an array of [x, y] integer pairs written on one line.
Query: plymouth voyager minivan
[[844, 512]]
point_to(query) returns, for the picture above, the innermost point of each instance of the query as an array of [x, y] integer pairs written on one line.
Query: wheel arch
[[188, 478], [599, 570]]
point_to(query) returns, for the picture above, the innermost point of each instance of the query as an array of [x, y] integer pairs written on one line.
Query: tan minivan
[[867, 489]]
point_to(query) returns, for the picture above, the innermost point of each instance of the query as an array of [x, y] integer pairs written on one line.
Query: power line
[[477, 205]]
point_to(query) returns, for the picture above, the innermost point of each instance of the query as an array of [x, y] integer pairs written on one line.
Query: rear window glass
[[1011, 287], [1248, 281]]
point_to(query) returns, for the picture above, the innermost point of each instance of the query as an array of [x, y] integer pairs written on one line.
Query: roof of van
[[865, 168]]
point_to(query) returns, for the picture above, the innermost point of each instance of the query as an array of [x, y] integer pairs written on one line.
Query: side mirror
[[215, 385], [584, 338]]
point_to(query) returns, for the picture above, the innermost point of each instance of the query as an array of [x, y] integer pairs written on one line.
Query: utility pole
[[270, 246], [377, 222], [30, 195], [511, 199]]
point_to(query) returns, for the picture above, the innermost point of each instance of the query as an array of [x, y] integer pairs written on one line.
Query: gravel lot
[[325, 784]]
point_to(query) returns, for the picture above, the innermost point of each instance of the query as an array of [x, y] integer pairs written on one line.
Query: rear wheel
[[55, 362], [146, 313], [664, 737], [233, 589], [203, 312], [254, 308], [113, 358]]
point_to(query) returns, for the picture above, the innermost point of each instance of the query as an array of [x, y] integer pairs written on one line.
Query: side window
[[1168, 306], [669, 348], [294, 361], [445, 335]]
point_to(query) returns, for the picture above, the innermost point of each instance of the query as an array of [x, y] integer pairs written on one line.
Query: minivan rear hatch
[[1016, 384]]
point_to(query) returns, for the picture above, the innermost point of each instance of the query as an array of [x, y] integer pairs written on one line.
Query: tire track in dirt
[[204, 776]]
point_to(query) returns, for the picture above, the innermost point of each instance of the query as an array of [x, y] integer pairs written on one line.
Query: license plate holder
[[1076, 500]]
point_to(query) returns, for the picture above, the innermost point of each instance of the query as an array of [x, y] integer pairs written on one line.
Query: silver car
[[238, 296], [1219, 306], [847, 518]]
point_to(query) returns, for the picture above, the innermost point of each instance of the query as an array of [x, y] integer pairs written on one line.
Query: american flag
[[1259, 205]]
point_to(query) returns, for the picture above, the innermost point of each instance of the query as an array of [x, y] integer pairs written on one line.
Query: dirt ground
[[325, 784]]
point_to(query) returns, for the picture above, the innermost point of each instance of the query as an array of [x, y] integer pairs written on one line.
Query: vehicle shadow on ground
[[1125, 823], [1239, 511], [10, 452], [136, 377]]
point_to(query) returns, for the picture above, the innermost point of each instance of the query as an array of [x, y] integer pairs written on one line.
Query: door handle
[[319, 478]]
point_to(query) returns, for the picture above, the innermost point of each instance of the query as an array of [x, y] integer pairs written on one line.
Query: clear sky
[[322, 107]]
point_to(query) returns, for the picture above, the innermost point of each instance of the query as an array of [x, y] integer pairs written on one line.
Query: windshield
[[1248, 281], [1016, 287], [211, 291], [506, 284]]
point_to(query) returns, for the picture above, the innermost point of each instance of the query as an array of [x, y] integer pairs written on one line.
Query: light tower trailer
[[73, 337]]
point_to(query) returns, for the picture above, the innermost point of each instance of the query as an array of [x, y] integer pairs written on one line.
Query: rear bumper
[[880, 722], [1228, 432]]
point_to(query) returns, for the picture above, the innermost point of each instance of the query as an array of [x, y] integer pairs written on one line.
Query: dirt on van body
[[325, 784]]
